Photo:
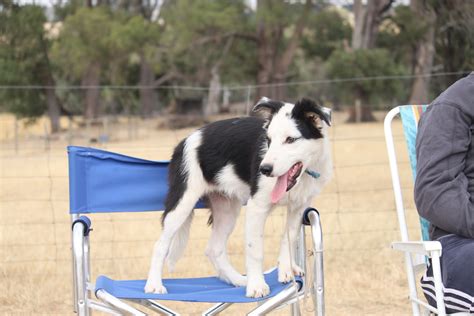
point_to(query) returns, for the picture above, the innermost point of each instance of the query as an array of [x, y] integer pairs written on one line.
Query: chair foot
[[117, 303], [275, 301]]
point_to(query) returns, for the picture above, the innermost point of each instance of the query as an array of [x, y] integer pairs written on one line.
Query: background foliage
[[148, 45]]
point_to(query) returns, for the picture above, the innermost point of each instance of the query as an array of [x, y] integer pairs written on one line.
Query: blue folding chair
[[416, 252], [106, 182]]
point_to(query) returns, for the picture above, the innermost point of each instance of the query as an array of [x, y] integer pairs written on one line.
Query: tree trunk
[[361, 111], [54, 110], [91, 80], [147, 93], [215, 85], [265, 57], [273, 67], [424, 54], [52, 100], [359, 14], [367, 20], [213, 97]]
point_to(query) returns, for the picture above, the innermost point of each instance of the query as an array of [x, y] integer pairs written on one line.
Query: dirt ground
[[363, 276]]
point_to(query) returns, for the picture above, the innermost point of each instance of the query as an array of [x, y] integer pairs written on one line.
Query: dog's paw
[[285, 275], [235, 279], [239, 281], [257, 289], [155, 288]]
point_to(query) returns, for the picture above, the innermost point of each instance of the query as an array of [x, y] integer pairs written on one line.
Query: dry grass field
[[363, 275]]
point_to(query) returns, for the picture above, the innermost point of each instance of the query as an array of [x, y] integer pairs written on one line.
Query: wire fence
[[53, 192], [120, 107], [238, 87], [357, 207]]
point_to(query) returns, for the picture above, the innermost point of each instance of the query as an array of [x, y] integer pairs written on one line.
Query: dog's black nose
[[266, 169]]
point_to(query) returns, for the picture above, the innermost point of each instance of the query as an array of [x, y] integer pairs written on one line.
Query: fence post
[[129, 125], [16, 134], [358, 111], [46, 137], [69, 131], [88, 130], [248, 100]]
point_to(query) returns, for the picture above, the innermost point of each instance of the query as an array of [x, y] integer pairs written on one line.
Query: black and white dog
[[282, 158]]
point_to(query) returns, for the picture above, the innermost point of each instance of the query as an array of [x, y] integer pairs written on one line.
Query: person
[[444, 191]]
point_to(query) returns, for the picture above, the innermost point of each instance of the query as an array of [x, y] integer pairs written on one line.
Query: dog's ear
[[266, 107], [312, 113]]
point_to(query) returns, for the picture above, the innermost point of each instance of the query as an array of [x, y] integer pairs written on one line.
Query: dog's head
[[295, 136]]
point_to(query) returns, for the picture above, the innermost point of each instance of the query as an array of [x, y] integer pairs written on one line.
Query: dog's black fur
[[240, 142]]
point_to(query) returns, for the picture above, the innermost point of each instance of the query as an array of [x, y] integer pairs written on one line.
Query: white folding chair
[[416, 252], [106, 182]]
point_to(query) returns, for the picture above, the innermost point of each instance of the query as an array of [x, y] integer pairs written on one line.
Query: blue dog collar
[[313, 174]]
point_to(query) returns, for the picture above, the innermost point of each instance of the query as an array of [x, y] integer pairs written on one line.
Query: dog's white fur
[[226, 197]]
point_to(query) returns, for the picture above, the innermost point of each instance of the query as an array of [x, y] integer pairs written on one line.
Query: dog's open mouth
[[285, 182]]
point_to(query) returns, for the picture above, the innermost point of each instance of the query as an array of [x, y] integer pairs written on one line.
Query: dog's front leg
[[287, 266], [254, 228]]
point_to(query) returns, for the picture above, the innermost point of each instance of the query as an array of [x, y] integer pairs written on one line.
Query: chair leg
[[318, 269], [438, 283], [216, 309], [103, 308], [80, 293], [300, 259], [275, 301], [157, 307], [117, 303], [74, 270]]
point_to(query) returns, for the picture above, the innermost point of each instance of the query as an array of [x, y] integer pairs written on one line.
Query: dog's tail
[[179, 242]]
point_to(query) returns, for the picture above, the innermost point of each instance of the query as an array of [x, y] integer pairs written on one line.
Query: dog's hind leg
[[171, 224], [225, 211]]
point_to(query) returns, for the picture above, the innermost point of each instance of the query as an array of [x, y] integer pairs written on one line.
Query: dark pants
[[457, 272]]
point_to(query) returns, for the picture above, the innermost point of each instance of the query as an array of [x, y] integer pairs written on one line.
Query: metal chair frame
[[83, 287], [415, 251]]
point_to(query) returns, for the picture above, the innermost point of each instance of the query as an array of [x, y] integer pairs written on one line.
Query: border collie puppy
[[282, 158]]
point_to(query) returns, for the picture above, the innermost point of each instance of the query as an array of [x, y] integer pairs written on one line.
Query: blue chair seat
[[204, 290]]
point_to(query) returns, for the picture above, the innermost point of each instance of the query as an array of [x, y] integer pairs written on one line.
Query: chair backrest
[[105, 182], [410, 116]]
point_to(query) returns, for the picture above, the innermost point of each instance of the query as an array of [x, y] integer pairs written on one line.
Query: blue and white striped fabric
[[458, 280], [410, 115]]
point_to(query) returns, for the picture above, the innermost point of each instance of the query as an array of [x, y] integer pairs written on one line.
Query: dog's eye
[[290, 140]]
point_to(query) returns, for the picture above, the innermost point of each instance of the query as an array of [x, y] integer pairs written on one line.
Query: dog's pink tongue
[[280, 188]]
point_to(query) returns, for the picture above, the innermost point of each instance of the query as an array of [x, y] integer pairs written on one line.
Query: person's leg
[[457, 271]]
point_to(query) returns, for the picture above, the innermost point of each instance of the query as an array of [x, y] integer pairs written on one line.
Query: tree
[[140, 37], [454, 40], [326, 31], [424, 53], [209, 48], [24, 60], [365, 63], [367, 20], [83, 48], [275, 51]]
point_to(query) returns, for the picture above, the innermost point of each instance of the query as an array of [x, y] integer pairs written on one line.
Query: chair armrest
[[306, 213], [86, 222], [426, 248]]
